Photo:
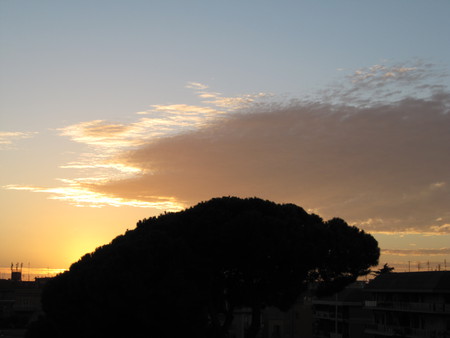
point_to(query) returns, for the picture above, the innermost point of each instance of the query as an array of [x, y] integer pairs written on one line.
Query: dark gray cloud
[[384, 166]]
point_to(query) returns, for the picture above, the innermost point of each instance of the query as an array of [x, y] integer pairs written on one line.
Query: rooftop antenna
[[16, 273]]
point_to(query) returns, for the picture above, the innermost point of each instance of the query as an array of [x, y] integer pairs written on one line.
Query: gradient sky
[[113, 111]]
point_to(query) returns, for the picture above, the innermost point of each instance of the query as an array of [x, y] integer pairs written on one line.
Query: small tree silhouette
[[385, 269]]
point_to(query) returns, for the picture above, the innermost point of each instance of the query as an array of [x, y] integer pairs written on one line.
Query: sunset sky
[[114, 111]]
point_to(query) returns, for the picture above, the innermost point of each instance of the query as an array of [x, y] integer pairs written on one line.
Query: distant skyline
[[115, 111]]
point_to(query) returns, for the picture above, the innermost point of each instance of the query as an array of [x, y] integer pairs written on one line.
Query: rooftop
[[426, 281]]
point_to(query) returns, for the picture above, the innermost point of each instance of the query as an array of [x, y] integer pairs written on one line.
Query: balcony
[[439, 308], [399, 331], [328, 315]]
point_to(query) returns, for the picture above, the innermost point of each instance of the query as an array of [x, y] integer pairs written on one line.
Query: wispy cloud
[[159, 121], [81, 197], [7, 138], [417, 252], [228, 103], [196, 85], [107, 142], [233, 103], [385, 82]]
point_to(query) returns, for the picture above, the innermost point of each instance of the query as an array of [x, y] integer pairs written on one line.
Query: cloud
[[107, 140], [77, 196], [232, 103], [118, 167], [159, 121], [162, 120], [382, 83], [229, 103], [196, 85], [100, 133], [9, 137], [375, 154], [417, 252], [406, 73], [186, 109], [383, 167]]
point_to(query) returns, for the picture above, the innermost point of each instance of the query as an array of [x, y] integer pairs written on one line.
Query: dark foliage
[[183, 274], [385, 269]]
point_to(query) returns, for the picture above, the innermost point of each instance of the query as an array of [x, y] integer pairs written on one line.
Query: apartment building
[[341, 315], [412, 304]]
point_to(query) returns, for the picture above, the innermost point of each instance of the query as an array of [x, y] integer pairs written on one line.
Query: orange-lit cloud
[[379, 161], [385, 167], [224, 102], [116, 166], [82, 197], [417, 252]]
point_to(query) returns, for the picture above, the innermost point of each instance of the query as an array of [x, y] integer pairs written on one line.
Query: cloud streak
[[417, 252], [77, 196], [7, 138], [387, 83]]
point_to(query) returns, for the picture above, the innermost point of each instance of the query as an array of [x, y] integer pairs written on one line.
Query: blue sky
[[89, 87], [71, 60]]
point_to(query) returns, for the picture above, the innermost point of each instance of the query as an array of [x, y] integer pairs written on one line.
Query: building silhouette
[[20, 302], [410, 304], [406, 304], [341, 315]]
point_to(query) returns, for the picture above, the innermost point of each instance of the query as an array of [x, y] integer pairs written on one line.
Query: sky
[[114, 111]]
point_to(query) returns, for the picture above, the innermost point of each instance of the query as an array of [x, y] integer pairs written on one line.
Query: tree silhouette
[[184, 274], [385, 269]]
